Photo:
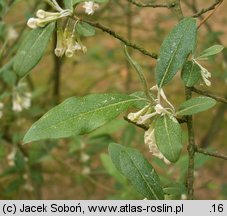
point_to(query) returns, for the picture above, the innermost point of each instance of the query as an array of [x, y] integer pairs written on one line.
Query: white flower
[[45, 17], [12, 34], [21, 99], [149, 139], [86, 171], [11, 157], [134, 117], [32, 23], [90, 7], [84, 157], [204, 73], [1, 108], [77, 46]]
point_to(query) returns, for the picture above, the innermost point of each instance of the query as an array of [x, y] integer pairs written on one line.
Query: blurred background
[[79, 167]]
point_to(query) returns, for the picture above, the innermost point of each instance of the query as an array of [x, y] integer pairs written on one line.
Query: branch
[[119, 37], [153, 5], [215, 97], [144, 127], [209, 15], [205, 10], [138, 125], [212, 154], [191, 150]]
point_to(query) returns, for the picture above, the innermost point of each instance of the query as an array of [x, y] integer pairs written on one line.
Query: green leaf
[[114, 150], [111, 169], [210, 51], [168, 136], [79, 116], [175, 49], [69, 4], [32, 49], [139, 71], [85, 29], [141, 174], [190, 73], [196, 105]]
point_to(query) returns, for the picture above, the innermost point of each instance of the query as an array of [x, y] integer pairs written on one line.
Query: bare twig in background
[[214, 128], [205, 93], [122, 39], [209, 15], [211, 7], [212, 154], [129, 37], [153, 5]]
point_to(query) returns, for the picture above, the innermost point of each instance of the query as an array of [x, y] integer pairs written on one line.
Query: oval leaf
[[175, 49], [79, 116], [168, 136], [190, 73], [69, 4], [141, 174], [32, 49], [85, 29], [114, 150], [111, 169], [211, 51], [196, 105]]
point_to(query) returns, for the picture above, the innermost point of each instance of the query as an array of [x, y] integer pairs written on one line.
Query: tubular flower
[[149, 139], [21, 99], [204, 73], [90, 7], [45, 17]]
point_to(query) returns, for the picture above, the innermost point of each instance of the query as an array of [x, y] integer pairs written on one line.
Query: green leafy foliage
[[175, 49], [32, 49], [196, 105], [168, 135], [111, 169], [191, 73], [210, 51], [79, 116], [69, 4], [84, 29], [138, 170]]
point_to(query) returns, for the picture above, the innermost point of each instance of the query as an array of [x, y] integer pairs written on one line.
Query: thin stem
[[212, 154], [152, 5], [209, 15], [191, 150], [144, 127], [205, 93], [211, 7], [122, 39], [129, 37]]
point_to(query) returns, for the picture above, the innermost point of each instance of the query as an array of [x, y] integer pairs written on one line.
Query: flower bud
[[32, 23]]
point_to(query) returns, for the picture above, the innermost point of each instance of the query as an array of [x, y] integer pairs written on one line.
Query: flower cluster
[[21, 98], [45, 17], [145, 115], [68, 40], [205, 74], [11, 157]]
